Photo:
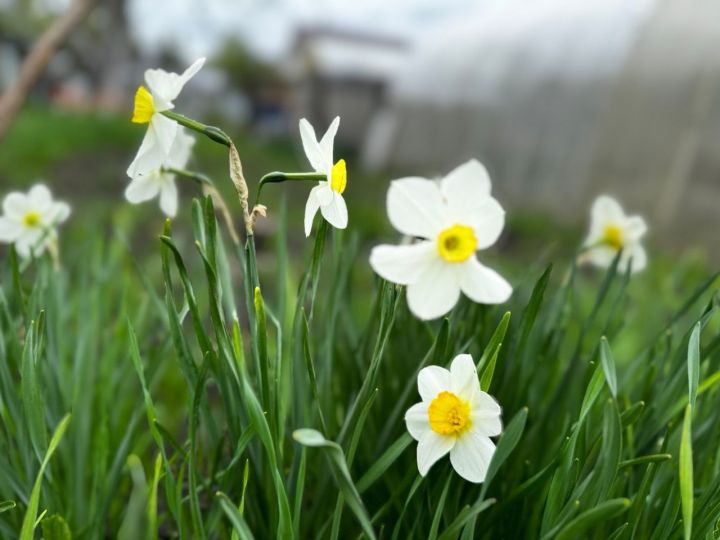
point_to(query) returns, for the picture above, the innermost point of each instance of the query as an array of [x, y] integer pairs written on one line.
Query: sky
[[267, 26]]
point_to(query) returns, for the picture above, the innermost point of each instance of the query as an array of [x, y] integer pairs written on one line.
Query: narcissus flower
[[164, 88], [454, 416], [452, 218], [610, 231], [160, 180], [30, 219], [327, 195]]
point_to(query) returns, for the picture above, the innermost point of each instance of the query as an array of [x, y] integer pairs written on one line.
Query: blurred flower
[[161, 180], [327, 195], [149, 104], [30, 219], [454, 416], [453, 218], [612, 230]]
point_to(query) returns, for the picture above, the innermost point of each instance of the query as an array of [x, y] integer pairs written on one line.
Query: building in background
[[563, 101], [333, 72]]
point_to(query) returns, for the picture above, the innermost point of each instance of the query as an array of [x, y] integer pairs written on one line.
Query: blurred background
[[562, 100]]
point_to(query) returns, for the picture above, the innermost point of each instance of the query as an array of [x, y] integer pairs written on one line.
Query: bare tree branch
[[37, 60]]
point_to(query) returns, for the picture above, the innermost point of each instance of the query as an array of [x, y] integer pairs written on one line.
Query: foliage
[[187, 390]]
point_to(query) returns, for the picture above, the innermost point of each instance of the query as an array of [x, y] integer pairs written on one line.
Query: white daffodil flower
[[149, 104], [454, 416], [30, 219], [453, 218], [327, 195], [611, 230], [144, 187]]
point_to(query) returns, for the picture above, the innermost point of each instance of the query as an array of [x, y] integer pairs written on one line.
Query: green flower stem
[[198, 177], [212, 132], [277, 177]]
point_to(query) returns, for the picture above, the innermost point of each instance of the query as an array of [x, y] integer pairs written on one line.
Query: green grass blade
[[28, 524], [236, 518], [686, 473], [313, 438], [603, 512], [608, 364], [693, 363]]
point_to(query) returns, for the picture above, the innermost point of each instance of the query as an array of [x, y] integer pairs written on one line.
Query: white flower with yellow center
[[612, 230], [164, 88], [30, 219], [144, 187], [454, 416], [452, 218], [327, 195]]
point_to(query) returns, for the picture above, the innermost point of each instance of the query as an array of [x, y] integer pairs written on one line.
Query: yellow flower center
[[448, 414], [31, 219], [613, 236], [338, 177], [457, 243], [144, 106]]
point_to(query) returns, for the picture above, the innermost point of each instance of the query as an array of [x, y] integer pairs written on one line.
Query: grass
[[197, 389]]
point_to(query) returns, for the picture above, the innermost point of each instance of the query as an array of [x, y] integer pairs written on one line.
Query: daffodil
[[612, 230], [162, 89], [454, 416], [161, 180], [30, 219], [327, 195], [451, 219]]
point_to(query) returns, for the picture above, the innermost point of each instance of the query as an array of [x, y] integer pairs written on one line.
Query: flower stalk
[[214, 133]]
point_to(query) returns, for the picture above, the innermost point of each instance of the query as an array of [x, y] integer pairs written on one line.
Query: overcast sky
[[197, 26]]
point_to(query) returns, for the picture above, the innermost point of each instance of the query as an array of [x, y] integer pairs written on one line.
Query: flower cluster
[[446, 223], [166, 146]]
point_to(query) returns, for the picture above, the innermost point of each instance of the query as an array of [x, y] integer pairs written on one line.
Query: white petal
[[59, 212], [436, 291], [150, 156], [601, 256], [464, 381], [32, 240], [416, 420], [415, 207], [311, 207], [40, 197], [634, 228], [142, 188], [16, 205], [489, 426], [9, 229], [165, 87], [23, 249], [312, 148], [487, 218], [431, 381], [181, 149], [482, 284], [471, 455], [466, 185], [431, 447], [165, 131], [606, 209], [635, 253], [327, 142], [485, 413], [336, 212], [402, 264], [169, 197]]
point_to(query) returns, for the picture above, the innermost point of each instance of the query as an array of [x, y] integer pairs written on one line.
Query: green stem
[[277, 177], [212, 132], [198, 177]]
